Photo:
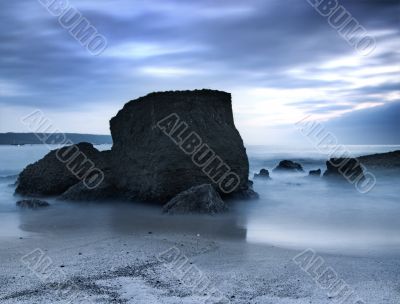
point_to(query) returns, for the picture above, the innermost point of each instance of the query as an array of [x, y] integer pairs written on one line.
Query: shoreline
[[114, 258], [124, 268]]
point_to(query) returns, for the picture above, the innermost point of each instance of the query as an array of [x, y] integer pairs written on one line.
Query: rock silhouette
[[344, 169], [163, 143], [54, 174], [167, 142], [264, 174], [315, 172], [198, 199], [289, 166]]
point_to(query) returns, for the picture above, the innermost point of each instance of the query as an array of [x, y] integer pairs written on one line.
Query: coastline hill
[[54, 138]]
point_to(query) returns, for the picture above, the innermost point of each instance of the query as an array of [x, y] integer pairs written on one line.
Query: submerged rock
[[80, 192], [349, 169], [315, 173], [289, 166], [167, 142], [264, 174], [199, 199], [60, 169], [32, 203], [246, 194]]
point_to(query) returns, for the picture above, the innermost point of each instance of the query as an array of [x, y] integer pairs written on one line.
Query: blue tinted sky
[[280, 60]]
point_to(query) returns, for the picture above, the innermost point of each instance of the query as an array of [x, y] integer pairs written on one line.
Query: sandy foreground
[[103, 256]]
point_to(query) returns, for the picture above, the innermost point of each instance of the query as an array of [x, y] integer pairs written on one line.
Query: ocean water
[[294, 211]]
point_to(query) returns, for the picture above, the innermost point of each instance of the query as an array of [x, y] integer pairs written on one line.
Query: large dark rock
[[264, 174], [199, 199], [62, 168], [32, 204], [164, 143], [349, 169], [316, 173], [288, 166], [147, 159]]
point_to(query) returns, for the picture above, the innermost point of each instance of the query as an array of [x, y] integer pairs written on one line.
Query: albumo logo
[[78, 26], [340, 19], [201, 154]]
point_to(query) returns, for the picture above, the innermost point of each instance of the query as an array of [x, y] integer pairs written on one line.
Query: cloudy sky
[[280, 59]]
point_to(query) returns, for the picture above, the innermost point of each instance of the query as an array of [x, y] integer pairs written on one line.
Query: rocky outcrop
[[32, 204], [388, 162], [201, 199], [288, 166], [316, 173], [164, 143], [349, 169], [167, 142], [264, 174], [61, 169]]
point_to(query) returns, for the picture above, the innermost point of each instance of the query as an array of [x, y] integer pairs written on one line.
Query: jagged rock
[[289, 166], [199, 199], [315, 173], [348, 169], [53, 174], [156, 136], [264, 174], [32, 204]]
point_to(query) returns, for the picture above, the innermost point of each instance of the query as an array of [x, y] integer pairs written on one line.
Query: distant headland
[[53, 138]]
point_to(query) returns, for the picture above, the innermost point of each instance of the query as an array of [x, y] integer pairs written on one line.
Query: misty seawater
[[294, 211]]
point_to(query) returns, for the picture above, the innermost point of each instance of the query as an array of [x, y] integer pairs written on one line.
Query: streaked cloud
[[280, 59]]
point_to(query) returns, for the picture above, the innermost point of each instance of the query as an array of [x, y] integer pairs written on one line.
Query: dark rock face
[[164, 143], [315, 172], [199, 199], [32, 204], [289, 166], [264, 174], [348, 169], [53, 174], [157, 136]]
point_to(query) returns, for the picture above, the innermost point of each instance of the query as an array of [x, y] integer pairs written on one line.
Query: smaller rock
[[349, 169], [315, 173], [264, 174], [288, 165], [199, 199], [32, 203], [244, 194]]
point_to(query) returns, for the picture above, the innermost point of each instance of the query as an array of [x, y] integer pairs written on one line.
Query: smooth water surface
[[293, 211]]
